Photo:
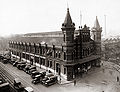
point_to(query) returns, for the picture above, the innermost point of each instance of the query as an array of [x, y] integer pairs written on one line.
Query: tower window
[[94, 37], [64, 38], [64, 55]]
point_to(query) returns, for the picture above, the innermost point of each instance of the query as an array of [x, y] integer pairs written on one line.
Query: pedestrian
[[117, 79], [103, 70], [74, 82]]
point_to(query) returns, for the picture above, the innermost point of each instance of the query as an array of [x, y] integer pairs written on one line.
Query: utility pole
[[80, 19], [105, 24]]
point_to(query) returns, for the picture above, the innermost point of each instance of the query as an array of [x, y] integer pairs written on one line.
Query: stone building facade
[[67, 53]]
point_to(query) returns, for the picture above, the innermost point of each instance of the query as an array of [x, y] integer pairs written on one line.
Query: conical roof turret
[[96, 24], [68, 20]]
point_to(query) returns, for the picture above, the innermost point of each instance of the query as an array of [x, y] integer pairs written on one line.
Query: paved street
[[96, 80]]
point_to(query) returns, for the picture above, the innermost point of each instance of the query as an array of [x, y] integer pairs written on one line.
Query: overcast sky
[[26, 16]]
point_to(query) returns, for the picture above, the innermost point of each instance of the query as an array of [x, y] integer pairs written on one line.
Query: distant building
[[66, 53]]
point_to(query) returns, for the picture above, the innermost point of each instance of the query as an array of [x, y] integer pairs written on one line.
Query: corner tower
[[96, 36], [68, 28]]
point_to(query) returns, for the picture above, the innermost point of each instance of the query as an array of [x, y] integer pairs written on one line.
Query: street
[[96, 80]]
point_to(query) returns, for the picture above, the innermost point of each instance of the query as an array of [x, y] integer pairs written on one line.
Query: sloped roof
[[49, 40], [96, 24], [68, 20]]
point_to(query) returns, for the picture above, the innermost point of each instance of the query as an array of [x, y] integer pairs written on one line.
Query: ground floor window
[[37, 59], [58, 68], [43, 61], [65, 70], [23, 55], [50, 64], [27, 56]]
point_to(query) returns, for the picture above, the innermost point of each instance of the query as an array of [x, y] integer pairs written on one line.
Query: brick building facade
[[66, 53]]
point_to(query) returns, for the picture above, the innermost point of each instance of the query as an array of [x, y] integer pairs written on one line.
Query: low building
[[66, 53]]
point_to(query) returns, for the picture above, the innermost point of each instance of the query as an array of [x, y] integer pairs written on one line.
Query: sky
[[30, 16]]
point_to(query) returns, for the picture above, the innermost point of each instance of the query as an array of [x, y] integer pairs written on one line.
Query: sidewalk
[[61, 82]]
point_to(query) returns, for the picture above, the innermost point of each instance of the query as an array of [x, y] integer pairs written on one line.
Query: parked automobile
[[50, 81], [1, 80], [33, 74], [12, 60], [42, 74], [21, 66], [30, 68], [46, 77], [30, 71], [38, 78], [5, 87], [5, 61], [28, 89], [18, 62], [26, 68], [17, 85], [1, 57]]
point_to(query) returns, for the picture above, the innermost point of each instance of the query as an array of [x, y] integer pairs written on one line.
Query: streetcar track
[[5, 71]]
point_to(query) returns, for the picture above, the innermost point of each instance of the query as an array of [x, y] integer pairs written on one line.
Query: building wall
[[61, 60]]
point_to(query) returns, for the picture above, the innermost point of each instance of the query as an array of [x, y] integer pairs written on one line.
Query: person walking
[[74, 82], [117, 79]]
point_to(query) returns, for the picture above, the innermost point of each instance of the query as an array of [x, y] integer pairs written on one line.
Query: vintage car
[[18, 62], [1, 57], [28, 89], [46, 77], [33, 74], [30, 68], [30, 71], [18, 85], [5, 61], [26, 68], [50, 81], [13, 59], [38, 78], [21, 66]]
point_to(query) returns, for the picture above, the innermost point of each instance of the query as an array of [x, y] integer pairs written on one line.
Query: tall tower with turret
[[68, 28], [96, 36]]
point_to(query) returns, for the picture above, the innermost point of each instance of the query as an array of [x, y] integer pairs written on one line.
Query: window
[[64, 55], [94, 37], [64, 38], [37, 59], [65, 70], [72, 37], [56, 54], [50, 64], [59, 55], [43, 61]]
